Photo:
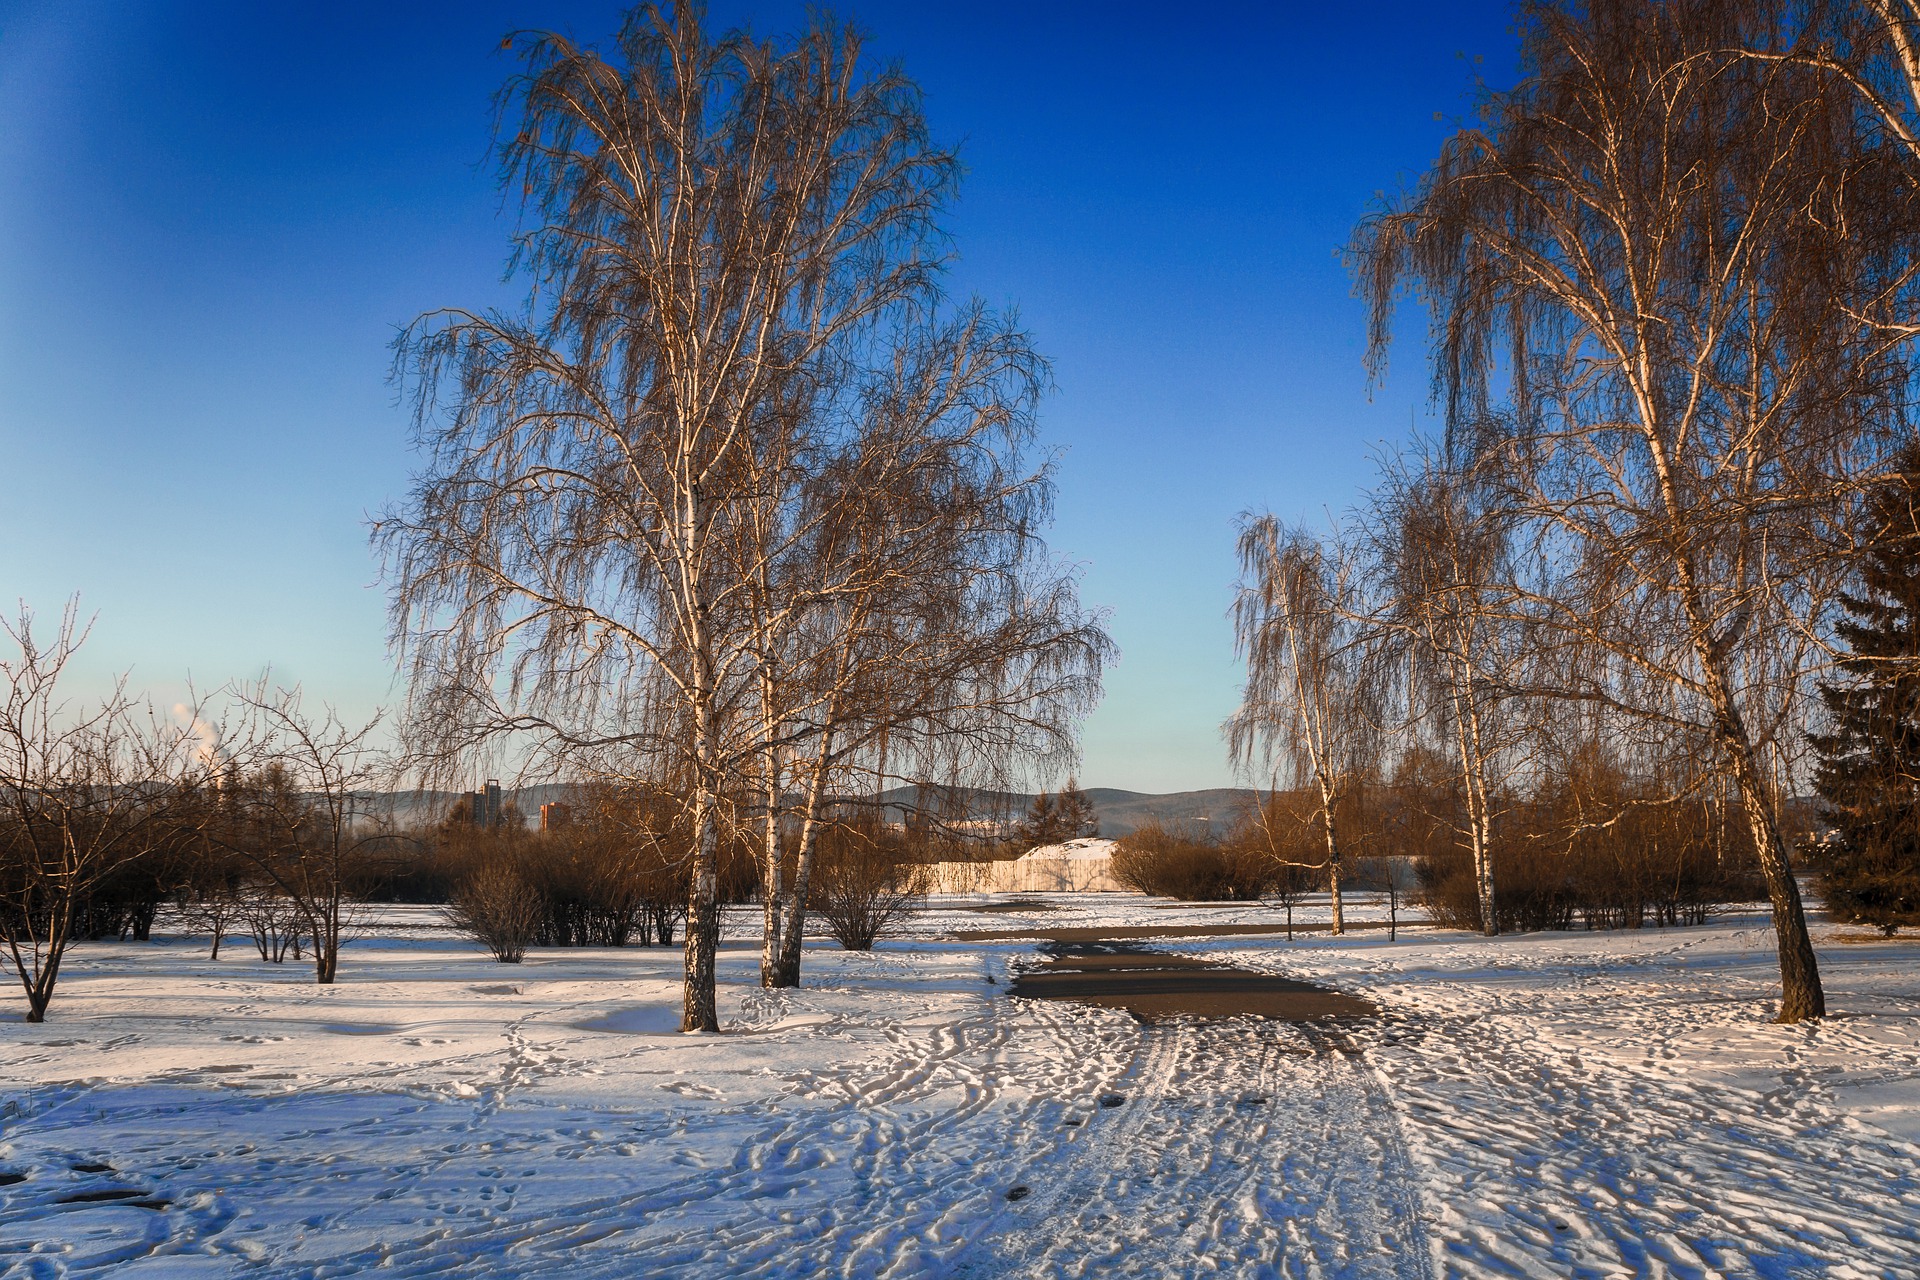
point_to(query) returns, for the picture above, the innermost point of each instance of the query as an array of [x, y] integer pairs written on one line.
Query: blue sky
[[215, 215]]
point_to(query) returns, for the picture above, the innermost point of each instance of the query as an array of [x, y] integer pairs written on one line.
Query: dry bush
[[616, 876], [1189, 865], [497, 907], [1646, 863], [865, 881]]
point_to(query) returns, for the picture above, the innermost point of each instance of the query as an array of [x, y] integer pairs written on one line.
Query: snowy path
[[1577, 1113], [1244, 1147]]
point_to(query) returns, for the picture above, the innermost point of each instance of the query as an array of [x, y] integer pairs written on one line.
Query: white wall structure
[[1078, 866]]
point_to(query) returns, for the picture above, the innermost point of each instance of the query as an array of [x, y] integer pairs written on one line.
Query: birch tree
[[711, 222], [1646, 248], [1311, 699], [1440, 551], [936, 639]]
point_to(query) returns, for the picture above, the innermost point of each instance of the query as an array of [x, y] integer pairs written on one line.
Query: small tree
[[1312, 697], [298, 820], [84, 794], [1042, 823], [865, 882], [1078, 819], [1868, 776]]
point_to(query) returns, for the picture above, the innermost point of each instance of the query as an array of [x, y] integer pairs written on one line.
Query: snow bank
[[1078, 866]]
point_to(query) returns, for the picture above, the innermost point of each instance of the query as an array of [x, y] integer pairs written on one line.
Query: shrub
[[1658, 863], [497, 907], [864, 881], [1188, 865]]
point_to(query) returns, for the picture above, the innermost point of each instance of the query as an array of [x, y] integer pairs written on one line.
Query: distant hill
[[1122, 811], [1119, 811]]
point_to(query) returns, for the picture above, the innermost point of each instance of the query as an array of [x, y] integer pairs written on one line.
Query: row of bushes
[[612, 881], [1193, 865], [1622, 859]]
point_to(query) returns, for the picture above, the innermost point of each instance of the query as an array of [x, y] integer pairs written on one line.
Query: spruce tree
[[1868, 776], [1042, 822], [1076, 813]]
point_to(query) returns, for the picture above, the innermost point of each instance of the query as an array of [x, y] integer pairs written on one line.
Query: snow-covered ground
[[1551, 1105]]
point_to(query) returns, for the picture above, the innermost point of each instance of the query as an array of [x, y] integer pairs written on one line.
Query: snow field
[[1619, 1104], [1551, 1105]]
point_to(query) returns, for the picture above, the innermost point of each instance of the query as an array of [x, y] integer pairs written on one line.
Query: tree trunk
[[326, 950], [701, 1011], [787, 972], [1473, 781], [1333, 861], [40, 990], [1801, 995], [771, 888]]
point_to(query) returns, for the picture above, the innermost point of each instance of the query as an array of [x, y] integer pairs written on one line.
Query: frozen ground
[[1551, 1105]]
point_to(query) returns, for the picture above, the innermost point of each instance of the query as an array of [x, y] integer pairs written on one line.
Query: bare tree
[[1653, 230], [299, 794], [929, 636], [715, 221], [1439, 549], [1311, 700], [85, 792]]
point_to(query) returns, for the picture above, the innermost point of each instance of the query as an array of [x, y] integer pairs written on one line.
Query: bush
[[1189, 866], [864, 881], [497, 907], [1652, 864]]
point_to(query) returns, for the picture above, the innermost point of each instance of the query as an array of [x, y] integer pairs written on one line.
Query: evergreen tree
[[1077, 816], [1042, 823], [1868, 777], [1055, 819]]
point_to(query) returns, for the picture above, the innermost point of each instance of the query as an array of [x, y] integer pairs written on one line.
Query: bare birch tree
[[934, 637], [1653, 229], [1311, 699], [1439, 549], [717, 224]]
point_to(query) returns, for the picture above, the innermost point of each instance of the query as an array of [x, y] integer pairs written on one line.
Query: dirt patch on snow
[[1138, 932], [1153, 985]]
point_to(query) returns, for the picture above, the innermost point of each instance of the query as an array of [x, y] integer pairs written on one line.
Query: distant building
[[555, 815], [484, 808]]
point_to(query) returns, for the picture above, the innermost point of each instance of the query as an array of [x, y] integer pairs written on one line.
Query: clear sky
[[213, 216]]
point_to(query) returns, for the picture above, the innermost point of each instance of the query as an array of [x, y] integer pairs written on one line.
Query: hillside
[[1119, 811]]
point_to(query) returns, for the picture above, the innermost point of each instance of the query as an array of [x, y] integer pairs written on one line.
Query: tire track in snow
[[1252, 1148]]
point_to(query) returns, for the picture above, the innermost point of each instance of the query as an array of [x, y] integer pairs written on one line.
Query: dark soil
[[1152, 985], [1016, 906]]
